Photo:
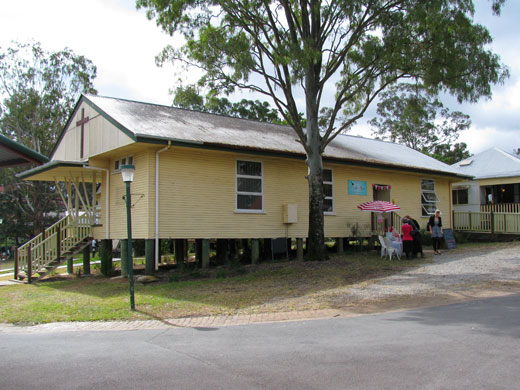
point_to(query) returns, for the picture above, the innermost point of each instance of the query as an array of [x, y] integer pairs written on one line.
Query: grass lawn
[[267, 287]]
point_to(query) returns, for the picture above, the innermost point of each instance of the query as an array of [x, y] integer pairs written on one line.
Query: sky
[[123, 43]]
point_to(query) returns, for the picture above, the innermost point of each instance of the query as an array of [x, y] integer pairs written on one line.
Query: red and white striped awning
[[378, 206]]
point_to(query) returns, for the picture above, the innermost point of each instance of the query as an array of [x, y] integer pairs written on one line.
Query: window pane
[[428, 209], [460, 196], [429, 197], [249, 185], [249, 168], [327, 189], [327, 205], [427, 185], [130, 160], [463, 196], [116, 165], [249, 202], [327, 175]]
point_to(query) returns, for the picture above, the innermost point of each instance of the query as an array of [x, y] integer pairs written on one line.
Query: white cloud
[[120, 41]]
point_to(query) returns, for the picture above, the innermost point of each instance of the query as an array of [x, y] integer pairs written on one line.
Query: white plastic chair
[[390, 250], [383, 246]]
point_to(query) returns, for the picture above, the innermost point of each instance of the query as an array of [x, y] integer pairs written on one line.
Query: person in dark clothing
[[435, 228], [416, 235]]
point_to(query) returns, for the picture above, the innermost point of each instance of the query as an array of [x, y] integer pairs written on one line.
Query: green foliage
[[413, 116], [38, 90], [451, 154], [189, 98]]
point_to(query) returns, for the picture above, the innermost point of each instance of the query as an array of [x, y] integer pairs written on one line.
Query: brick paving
[[217, 321]]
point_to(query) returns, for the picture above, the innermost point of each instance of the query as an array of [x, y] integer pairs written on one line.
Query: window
[[128, 160], [460, 196], [328, 189], [429, 197], [250, 186]]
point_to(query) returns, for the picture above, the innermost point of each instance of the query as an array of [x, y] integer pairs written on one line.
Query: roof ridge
[[509, 155]]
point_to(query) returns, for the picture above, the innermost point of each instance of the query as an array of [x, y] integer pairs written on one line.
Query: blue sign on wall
[[356, 187]]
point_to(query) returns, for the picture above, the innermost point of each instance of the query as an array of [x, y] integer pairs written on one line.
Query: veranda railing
[[489, 222], [500, 208], [52, 243]]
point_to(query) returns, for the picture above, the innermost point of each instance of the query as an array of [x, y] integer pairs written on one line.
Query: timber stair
[[56, 245], [50, 267]]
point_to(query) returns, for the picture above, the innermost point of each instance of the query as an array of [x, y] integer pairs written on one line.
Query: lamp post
[[127, 171]]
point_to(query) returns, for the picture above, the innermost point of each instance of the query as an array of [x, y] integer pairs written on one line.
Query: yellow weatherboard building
[[205, 176]]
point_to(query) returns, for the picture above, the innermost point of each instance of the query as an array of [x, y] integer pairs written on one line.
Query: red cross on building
[[81, 123]]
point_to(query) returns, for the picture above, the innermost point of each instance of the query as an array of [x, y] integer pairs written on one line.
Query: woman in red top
[[407, 238]]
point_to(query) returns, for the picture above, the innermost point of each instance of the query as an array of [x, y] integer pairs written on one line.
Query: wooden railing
[[380, 228], [490, 222], [50, 245], [397, 222], [500, 208]]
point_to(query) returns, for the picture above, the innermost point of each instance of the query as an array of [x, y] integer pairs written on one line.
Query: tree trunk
[[316, 240], [316, 237]]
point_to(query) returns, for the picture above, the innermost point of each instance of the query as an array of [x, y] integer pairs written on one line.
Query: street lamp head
[[128, 173]]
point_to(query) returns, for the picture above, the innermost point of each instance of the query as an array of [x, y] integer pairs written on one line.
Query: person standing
[[93, 247], [435, 228], [407, 238], [416, 235]]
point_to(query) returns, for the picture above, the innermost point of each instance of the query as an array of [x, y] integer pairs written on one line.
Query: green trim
[[86, 100], [242, 150], [48, 167], [110, 119], [27, 154]]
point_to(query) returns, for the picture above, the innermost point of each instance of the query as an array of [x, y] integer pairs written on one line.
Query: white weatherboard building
[[496, 184]]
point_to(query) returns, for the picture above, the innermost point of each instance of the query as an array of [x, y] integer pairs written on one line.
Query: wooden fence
[[487, 222]]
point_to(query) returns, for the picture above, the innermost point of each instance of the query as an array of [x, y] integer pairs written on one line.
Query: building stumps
[[149, 249], [86, 260], [339, 244], [179, 252], [105, 254], [299, 249], [70, 265]]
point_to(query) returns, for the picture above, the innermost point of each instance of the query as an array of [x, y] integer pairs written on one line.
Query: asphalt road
[[473, 345]]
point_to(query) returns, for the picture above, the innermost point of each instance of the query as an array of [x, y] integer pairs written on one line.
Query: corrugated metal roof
[[489, 164], [156, 121], [13, 153]]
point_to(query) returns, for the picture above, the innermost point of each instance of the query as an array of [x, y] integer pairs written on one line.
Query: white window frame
[[237, 193], [424, 201], [455, 190], [330, 197], [120, 162]]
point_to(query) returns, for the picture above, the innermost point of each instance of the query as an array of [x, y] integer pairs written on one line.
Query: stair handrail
[[43, 249], [23, 250]]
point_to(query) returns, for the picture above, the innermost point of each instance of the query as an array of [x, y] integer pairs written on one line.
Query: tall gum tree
[[38, 91], [339, 54]]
